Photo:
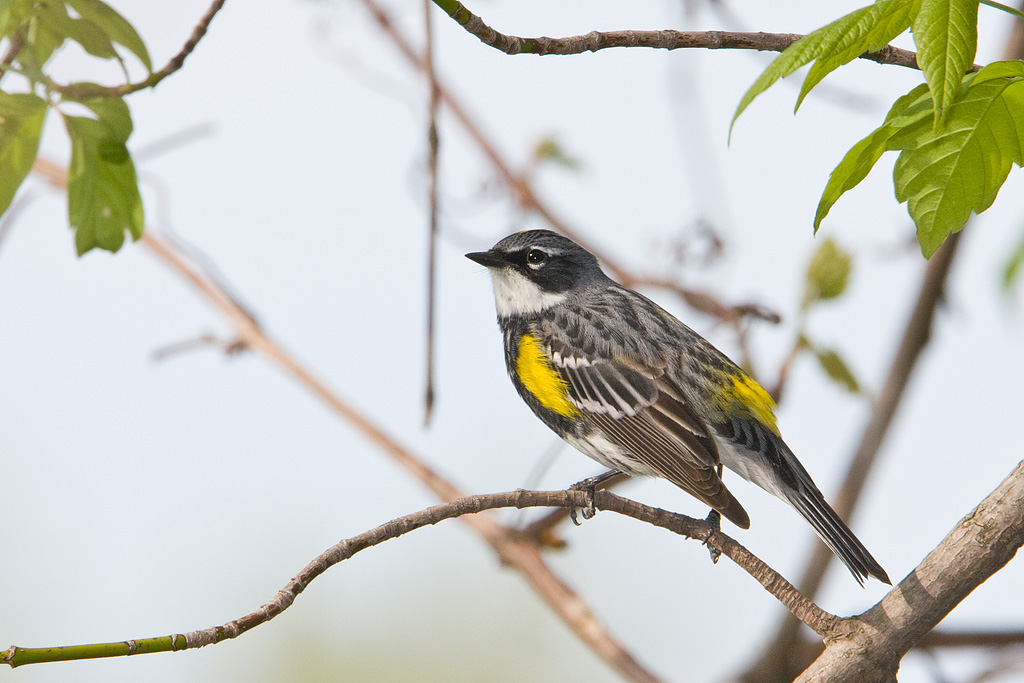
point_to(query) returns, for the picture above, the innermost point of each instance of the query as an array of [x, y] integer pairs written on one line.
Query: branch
[[964, 639], [433, 151], [869, 647], [77, 91], [665, 40], [820, 621]]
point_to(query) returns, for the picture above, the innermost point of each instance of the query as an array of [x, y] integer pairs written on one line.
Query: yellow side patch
[[541, 380], [741, 393]]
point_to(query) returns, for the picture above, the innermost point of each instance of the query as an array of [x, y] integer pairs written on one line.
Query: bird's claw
[[588, 486], [714, 518]]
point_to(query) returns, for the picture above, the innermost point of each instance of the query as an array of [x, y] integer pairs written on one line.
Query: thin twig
[[84, 90], [433, 146], [665, 40], [817, 619]]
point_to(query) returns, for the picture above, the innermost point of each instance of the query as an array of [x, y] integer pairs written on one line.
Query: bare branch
[[964, 639], [433, 149], [665, 40], [820, 621]]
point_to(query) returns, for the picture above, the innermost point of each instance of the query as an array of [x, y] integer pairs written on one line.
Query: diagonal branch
[[820, 621], [869, 647], [664, 40], [84, 90]]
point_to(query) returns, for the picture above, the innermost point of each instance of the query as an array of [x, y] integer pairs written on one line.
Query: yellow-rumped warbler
[[624, 382]]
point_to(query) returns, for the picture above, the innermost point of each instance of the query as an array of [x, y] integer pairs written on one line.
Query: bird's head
[[536, 269]]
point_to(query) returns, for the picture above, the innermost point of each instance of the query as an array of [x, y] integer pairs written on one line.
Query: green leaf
[[114, 26], [114, 113], [87, 34], [12, 14], [548, 149], [41, 41], [837, 369], [946, 36], [828, 273], [858, 162], [1012, 269], [945, 176], [21, 124], [863, 30], [872, 30], [103, 192]]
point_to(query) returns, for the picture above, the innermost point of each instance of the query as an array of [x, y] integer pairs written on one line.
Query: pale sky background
[[146, 498]]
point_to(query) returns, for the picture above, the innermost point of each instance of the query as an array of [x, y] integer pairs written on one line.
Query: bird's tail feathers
[[836, 535]]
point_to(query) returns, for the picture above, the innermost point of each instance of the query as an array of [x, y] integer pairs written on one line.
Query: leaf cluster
[[957, 134], [103, 194]]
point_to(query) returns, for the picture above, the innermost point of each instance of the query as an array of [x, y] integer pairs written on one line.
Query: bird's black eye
[[536, 257]]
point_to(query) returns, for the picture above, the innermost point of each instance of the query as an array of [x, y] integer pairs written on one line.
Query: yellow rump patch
[[741, 393], [541, 380]]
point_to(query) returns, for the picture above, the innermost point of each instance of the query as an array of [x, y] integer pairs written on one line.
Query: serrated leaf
[[103, 192], [828, 273], [945, 176], [871, 31], [858, 162], [21, 124], [837, 369], [113, 25], [863, 30], [946, 36]]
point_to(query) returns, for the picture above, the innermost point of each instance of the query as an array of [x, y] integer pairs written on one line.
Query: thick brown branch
[[665, 40], [869, 647]]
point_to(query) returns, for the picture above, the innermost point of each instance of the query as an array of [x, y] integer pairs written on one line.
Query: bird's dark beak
[[491, 259]]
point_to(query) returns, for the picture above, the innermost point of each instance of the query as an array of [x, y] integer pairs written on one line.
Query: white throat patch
[[514, 294]]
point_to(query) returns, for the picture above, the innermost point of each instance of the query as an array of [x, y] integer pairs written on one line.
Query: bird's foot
[[589, 486], [714, 518]]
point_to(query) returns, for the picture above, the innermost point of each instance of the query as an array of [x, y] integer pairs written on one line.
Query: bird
[[626, 383]]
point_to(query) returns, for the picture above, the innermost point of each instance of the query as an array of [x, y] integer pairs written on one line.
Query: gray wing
[[642, 414]]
